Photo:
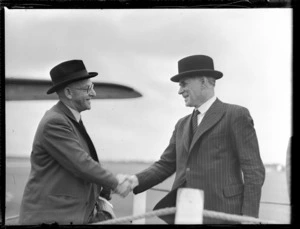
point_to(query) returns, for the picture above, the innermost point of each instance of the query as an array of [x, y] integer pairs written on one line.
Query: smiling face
[[80, 94], [193, 91]]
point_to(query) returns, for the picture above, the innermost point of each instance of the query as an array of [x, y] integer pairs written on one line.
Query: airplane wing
[[35, 89]]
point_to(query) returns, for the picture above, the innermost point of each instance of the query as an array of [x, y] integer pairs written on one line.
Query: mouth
[[185, 97]]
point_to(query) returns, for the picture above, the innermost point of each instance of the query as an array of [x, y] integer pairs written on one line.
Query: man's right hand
[[124, 186], [133, 180]]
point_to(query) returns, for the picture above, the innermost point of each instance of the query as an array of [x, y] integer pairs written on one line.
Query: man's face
[[192, 91], [82, 92]]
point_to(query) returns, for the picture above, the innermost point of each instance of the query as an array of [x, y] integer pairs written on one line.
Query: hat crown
[[67, 70], [196, 65], [196, 62]]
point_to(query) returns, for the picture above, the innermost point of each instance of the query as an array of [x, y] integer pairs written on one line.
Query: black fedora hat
[[68, 72], [197, 65]]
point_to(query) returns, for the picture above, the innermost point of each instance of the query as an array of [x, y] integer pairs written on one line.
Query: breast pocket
[[217, 140], [217, 136]]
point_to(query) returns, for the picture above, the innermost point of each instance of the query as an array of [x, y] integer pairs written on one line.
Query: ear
[[205, 82], [68, 93]]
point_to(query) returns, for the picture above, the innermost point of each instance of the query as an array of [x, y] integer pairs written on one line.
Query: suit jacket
[[64, 180], [222, 158]]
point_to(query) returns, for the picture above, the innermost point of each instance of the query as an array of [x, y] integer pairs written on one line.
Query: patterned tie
[[195, 121]]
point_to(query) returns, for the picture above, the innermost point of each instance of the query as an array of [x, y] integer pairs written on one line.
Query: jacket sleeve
[[61, 142], [246, 146], [160, 170]]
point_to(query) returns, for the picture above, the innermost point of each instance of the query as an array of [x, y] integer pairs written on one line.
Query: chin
[[188, 105], [86, 108]]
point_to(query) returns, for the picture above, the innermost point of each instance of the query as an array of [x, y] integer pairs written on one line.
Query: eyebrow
[[87, 85], [182, 83]]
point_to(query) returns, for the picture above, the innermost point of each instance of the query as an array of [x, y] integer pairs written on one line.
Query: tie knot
[[196, 112]]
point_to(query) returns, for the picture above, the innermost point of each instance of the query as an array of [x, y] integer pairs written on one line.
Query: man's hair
[[60, 92]]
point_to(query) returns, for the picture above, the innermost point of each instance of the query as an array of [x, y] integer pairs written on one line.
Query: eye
[[90, 88]]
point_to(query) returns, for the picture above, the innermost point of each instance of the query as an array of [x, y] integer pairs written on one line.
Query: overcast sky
[[141, 48]]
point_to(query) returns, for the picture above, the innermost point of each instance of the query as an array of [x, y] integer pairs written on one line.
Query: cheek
[[84, 101], [196, 94], [80, 102], [192, 95]]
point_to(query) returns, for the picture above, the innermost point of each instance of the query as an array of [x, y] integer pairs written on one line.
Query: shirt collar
[[205, 106], [75, 113]]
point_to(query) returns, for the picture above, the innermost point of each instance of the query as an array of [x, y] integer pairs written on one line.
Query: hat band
[[73, 76]]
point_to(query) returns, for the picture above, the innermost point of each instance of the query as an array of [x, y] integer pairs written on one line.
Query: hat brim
[[203, 72], [64, 83]]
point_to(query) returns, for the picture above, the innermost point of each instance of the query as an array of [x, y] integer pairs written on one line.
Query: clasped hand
[[126, 184]]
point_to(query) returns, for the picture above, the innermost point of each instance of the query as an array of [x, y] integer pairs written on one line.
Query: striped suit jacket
[[64, 181], [222, 158]]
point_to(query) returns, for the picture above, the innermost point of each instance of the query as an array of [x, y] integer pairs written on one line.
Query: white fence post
[[139, 206], [189, 206]]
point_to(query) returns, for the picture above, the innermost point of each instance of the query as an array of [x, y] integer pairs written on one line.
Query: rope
[[127, 219], [206, 213], [172, 210], [12, 217], [235, 218], [275, 203]]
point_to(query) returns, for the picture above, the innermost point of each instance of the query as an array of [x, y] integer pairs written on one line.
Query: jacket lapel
[[80, 128], [187, 133], [62, 107], [212, 116]]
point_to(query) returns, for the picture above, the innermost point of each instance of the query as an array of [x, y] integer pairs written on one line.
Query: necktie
[[89, 141], [81, 123], [195, 121]]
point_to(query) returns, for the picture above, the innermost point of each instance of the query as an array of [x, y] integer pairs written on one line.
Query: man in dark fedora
[[215, 148], [67, 184]]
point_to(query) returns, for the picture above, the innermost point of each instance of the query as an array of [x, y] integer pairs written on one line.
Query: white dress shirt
[[204, 107], [75, 113]]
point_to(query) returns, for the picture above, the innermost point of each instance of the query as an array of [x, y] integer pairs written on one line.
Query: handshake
[[126, 184]]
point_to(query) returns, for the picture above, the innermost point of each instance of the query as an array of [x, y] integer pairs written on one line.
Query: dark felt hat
[[197, 65], [68, 72]]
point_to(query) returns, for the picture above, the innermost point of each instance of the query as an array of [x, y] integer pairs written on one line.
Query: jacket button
[[188, 169]]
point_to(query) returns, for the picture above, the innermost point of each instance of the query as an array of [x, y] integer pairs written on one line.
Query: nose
[[180, 91], [93, 93]]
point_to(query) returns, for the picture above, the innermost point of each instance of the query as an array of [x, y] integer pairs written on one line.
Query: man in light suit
[[221, 157], [66, 177]]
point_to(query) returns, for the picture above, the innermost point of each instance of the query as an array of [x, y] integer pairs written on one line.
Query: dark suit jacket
[[64, 180], [222, 159]]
